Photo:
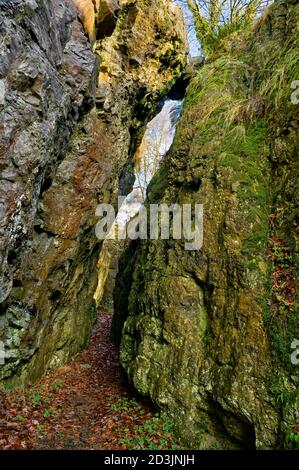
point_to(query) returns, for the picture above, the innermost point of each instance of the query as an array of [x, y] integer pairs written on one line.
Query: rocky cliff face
[[67, 117], [207, 334]]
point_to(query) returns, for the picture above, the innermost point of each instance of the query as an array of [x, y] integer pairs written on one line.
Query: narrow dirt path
[[84, 405]]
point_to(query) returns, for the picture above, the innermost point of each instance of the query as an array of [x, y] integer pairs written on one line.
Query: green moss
[[93, 312], [234, 152]]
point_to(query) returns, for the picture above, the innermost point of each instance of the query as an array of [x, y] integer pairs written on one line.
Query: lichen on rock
[[202, 333]]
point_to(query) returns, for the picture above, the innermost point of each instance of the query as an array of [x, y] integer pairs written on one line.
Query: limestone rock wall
[[207, 334], [67, 116]]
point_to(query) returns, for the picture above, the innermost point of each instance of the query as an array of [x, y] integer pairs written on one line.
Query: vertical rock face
[[60, 155], [207, 334], [48, 79]]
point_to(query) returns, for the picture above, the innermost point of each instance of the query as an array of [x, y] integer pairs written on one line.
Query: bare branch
[[215, 17]]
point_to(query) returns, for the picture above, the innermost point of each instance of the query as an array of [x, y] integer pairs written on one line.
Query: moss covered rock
[[203, 333], [68, 116]]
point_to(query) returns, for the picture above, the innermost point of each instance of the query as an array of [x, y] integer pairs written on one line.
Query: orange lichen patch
[[88, 11]]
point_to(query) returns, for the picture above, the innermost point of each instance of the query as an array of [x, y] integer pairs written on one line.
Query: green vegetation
[[21, 418], [57, 384], [217, 19], [284, 396], [292, 440], [245, 120], [39, 399], [282, 319], [155, 433], [233, 122], [125, 404]]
